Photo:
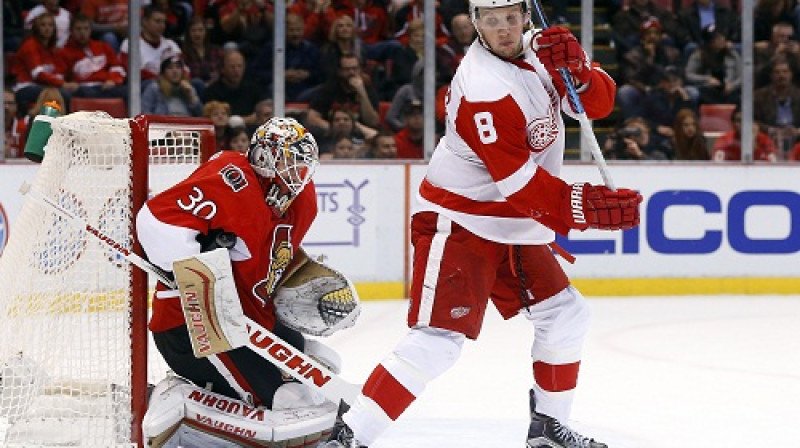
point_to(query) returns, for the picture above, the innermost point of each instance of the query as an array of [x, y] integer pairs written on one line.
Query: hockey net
[[73, 313]]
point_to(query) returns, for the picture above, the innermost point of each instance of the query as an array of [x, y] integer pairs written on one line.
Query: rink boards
[[706, 228]]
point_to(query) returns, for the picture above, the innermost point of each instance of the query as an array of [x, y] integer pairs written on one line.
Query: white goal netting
[[65, 323]]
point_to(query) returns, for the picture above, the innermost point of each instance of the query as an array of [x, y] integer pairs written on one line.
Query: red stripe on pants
[[556, 377], [387, 392]]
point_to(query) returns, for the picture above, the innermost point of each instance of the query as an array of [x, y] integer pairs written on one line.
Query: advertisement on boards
[[699, 221]]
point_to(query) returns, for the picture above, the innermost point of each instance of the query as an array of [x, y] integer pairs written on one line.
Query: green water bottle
[[41, 131]]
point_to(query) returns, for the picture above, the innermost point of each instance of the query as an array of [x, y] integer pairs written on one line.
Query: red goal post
[[73, 314]]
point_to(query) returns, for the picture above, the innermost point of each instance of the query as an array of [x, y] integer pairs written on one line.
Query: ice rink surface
[[657, 372]]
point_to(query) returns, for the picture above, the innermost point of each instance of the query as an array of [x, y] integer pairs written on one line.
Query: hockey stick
[[260, 340], [577, 105]]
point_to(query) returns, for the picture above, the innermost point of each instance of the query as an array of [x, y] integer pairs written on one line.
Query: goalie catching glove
[[557, 48], [315, 299]]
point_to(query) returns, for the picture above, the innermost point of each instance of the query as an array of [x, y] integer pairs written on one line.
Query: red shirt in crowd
[[407, 148], [95, 63], [729, 147], [37, 64]]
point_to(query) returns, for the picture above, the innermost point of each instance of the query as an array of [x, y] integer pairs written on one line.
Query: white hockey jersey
[[503, 124]]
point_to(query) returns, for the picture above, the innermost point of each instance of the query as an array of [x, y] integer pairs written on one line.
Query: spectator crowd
[[680, 63], [354, 69]]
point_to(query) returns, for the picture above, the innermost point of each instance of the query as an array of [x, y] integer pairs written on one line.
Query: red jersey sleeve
[[597, 96], [187, 204], [496, 132]]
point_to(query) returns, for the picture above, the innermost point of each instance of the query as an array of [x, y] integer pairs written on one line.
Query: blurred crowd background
[[354, 70]]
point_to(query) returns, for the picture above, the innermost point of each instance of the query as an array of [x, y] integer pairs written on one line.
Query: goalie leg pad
[[317, 300], [165, 411], [182, 414]]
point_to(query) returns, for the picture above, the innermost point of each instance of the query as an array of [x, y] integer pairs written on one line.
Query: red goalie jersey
[[507, 119], [224, 194]]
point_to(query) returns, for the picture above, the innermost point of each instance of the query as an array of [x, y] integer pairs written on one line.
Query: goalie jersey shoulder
[[218, 193], [230, 167]]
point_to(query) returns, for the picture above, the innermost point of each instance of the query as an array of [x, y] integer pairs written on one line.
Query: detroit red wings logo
[[543, 131]]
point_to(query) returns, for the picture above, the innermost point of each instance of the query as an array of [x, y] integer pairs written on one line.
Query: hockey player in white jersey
[[485, 221]]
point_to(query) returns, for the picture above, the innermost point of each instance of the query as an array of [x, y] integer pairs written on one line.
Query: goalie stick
[[260, 340], [583, 119]]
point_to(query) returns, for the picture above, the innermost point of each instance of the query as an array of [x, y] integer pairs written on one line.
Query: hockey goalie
[[229, 235]]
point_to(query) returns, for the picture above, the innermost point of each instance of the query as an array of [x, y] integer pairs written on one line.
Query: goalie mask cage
[[73, 313]]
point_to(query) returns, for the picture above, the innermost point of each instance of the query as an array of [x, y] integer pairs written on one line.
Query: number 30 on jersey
[[197, 205]]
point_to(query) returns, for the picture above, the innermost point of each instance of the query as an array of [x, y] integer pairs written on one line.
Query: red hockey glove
[[597, 207], [557, 48]]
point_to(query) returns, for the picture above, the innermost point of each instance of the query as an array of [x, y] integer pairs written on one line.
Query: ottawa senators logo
[[280, 257], [233, 176]]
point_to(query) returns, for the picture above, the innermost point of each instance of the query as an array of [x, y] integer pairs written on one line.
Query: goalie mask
[[285, 152]]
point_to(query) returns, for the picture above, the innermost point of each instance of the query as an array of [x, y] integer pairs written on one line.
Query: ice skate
[[547, 432], [341, 434]]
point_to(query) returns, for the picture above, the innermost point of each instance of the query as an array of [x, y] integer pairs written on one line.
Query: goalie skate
[[547, 432]]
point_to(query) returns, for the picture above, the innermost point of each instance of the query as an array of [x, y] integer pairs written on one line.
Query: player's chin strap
[[489, 48]]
